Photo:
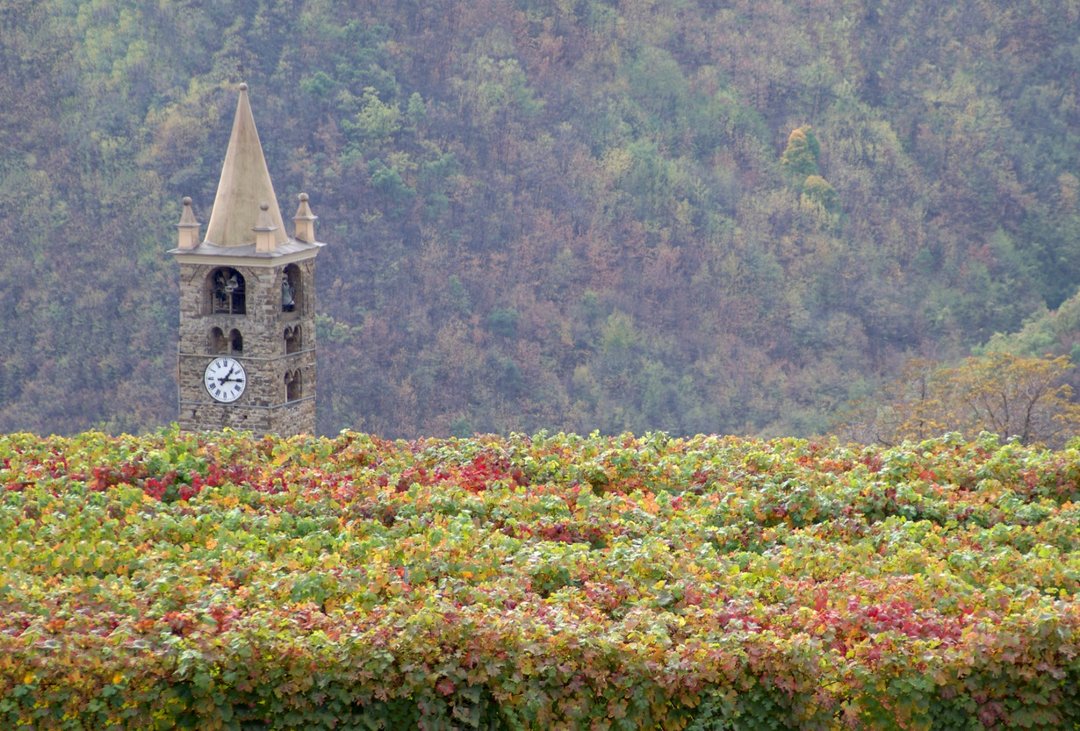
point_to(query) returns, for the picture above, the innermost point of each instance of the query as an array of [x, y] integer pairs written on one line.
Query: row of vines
[[545, 581]]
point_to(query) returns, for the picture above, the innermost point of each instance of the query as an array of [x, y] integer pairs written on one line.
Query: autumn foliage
[[627, 216], [551, 581], [1023, 397]]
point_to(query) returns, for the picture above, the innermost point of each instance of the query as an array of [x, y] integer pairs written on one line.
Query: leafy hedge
[[552, 581]]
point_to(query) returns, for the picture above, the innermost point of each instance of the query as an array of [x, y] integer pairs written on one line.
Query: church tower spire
[[244, 185], [246, 356]]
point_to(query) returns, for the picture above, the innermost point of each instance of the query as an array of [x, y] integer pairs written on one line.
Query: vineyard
[[537, 582]]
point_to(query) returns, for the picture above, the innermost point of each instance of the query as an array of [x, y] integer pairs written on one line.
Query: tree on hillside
[[1001, 393], [800, 157]]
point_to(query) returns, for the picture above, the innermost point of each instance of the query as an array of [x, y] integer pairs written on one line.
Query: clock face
[[225, 379]]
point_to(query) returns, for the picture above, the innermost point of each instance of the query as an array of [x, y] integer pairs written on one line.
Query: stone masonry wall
[[263, 407]]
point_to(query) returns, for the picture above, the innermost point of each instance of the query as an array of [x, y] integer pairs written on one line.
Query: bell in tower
[[246, 353]]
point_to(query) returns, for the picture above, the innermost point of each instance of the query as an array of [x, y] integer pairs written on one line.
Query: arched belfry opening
[[293, 339], [222, 344], [226, 292], [292, 289], [293, 386], [218, 344]]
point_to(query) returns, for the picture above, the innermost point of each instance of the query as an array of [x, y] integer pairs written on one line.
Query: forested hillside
[[694, 216]]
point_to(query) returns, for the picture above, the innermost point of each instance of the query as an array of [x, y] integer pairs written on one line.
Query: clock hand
[[228, 376]]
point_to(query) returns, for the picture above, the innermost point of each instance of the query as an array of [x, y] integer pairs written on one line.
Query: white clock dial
[[225, 379]]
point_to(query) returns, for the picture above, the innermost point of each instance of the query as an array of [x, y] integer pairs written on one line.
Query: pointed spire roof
[[244, 185]]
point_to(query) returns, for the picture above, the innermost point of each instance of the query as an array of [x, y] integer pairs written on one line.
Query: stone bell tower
[[246, 356]]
